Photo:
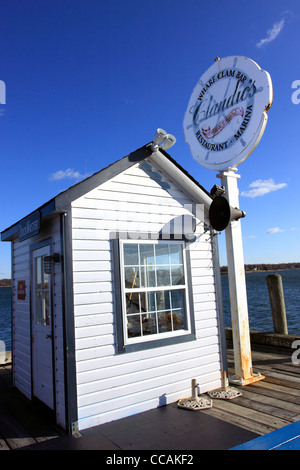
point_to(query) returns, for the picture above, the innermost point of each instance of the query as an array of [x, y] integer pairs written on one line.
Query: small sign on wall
[[21, 290]]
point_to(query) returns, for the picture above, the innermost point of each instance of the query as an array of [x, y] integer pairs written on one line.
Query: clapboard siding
[[110, 386], [145, 388], [21, 326], [118, 409], [103, 368]]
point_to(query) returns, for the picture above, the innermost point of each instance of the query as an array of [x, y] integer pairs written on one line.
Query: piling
[[277, 304]]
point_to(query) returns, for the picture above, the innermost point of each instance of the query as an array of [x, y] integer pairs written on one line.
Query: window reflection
[[42, 298]]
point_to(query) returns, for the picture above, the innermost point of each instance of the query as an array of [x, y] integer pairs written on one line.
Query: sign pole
[[237, 287]]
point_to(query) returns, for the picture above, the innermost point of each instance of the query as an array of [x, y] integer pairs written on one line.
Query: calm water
[[260, 317]]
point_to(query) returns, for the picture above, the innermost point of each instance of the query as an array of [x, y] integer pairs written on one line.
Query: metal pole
[[237, 287]]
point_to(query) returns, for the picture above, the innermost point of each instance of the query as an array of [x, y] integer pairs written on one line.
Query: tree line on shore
[[266, 267]]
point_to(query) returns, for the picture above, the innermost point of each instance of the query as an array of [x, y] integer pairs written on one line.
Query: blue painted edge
[[287, 437], [293, 444]]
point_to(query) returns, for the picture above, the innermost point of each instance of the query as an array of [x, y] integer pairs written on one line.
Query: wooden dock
[[263, 407], [269, 404]]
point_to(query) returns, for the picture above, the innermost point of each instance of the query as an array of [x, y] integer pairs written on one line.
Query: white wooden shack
[[116, 299]]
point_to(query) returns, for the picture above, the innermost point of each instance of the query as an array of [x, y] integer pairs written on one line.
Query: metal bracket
[[75, 430], [246, 381]]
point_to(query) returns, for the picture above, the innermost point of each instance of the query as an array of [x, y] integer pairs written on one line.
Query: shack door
[[42, 362]]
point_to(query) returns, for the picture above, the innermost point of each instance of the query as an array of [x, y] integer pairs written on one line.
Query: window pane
[[163, 300], [147, 300], [163, 276], [178, 320], [177, 275], [149, 324], [46, 280], [176, 254], [46, 311], [147, 254], [177, 298], [42, 308], [131, 254], [133, 326], [164, 321], [39, 277], [162, 254], [148, 276], [132, 303], [39, 307], [132, 278]]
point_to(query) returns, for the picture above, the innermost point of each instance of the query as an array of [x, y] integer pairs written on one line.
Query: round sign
[[226, 115]]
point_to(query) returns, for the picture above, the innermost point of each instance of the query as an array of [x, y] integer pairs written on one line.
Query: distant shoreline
[[264, 267], [264, 270]]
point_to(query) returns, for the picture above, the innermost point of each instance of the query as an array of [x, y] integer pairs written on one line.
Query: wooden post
[[237, 287], [277, 303]]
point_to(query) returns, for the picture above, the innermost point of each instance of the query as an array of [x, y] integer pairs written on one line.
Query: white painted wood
[[237, 285], [21, 317], [93, 287], [110, 385], [95, 420], [122, 395], [98, 309], [92, 372]]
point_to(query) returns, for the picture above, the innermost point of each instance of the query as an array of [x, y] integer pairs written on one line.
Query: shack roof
[[61, 202]]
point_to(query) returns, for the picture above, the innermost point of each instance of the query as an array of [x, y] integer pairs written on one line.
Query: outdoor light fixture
[[162, 140]]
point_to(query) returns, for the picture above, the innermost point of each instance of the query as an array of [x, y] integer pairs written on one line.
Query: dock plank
[[272, 396], [273, 422], [264, 406], [269, 389], [246, 423], [271, 403]]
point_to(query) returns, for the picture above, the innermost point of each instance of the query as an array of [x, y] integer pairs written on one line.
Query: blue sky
[[89, 81]]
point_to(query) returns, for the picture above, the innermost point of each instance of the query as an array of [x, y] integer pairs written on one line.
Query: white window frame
[[184, 287]]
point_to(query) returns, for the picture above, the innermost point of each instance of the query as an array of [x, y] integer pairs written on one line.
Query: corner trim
[[69, 323]]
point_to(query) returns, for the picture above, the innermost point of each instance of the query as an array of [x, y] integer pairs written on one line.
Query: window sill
[[156, 343]]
